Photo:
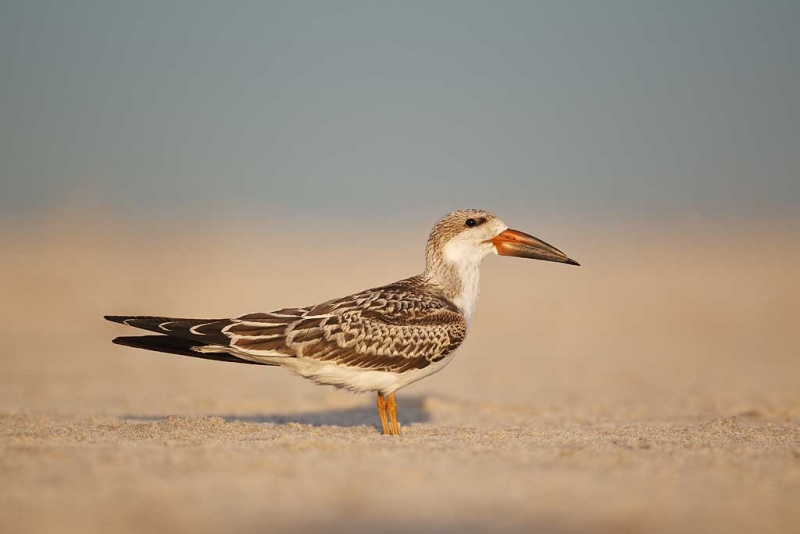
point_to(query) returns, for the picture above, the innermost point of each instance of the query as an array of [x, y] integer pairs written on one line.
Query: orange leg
[[392, 406], [382, 413]]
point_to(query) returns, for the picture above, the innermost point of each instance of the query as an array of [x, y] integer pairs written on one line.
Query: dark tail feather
[[203, 330], [174, 345]]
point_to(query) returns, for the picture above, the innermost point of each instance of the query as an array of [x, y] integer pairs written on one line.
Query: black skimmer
[[378, 340]]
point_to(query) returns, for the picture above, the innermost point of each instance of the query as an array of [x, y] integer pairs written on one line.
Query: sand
[[653, 389]]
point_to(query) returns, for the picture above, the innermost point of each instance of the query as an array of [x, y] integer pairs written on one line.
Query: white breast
[[468, 298], [466, 258]]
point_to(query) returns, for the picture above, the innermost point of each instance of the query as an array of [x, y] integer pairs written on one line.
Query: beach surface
[[656, 388]]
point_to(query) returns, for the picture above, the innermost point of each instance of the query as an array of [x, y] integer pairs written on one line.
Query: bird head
[[465, 237]]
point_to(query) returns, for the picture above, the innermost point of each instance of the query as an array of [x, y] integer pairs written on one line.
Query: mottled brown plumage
[[391, 328], [401, 326]]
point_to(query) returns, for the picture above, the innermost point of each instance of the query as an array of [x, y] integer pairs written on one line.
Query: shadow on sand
[[409, 410]]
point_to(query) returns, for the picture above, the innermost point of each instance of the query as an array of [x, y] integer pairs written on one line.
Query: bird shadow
[[409, 410]]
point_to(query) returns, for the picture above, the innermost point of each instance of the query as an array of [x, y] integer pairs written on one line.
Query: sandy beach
[[654, 389]]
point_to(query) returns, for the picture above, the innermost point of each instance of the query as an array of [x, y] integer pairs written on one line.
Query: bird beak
[[520, 244]]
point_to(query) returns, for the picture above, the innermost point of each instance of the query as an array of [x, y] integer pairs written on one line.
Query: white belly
[[359, 380]]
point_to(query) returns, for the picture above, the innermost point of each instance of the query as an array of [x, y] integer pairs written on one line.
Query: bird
[[378, 340]]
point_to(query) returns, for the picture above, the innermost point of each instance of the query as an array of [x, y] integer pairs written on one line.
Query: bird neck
[[457, 277]]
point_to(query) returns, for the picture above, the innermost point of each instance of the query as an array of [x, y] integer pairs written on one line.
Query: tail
[[180, 336]]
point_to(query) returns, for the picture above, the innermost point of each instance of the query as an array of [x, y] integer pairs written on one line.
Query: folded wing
[[391, 328]]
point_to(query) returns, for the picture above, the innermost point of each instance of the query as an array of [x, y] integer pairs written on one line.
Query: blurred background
[[366, 109], [210, 159]]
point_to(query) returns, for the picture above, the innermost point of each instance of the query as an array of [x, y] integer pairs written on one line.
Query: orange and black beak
[[520, 244]]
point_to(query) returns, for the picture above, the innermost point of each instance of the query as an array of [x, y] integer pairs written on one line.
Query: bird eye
[[471, 222]]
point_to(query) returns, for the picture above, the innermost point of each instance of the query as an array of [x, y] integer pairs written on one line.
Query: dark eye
[[471, 222]]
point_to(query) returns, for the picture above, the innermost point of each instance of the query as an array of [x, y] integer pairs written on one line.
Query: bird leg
[[391, 405], [382, 413]]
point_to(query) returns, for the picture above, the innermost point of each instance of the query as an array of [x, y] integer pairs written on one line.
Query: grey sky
[[626, 107]]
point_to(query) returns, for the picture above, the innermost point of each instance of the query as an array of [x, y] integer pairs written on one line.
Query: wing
[[398, 327], [391, 328]]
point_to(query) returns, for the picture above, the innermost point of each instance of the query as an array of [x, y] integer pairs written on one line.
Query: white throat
[[466, 259]]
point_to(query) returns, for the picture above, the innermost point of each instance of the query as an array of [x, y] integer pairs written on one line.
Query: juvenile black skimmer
[[379, 340]]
